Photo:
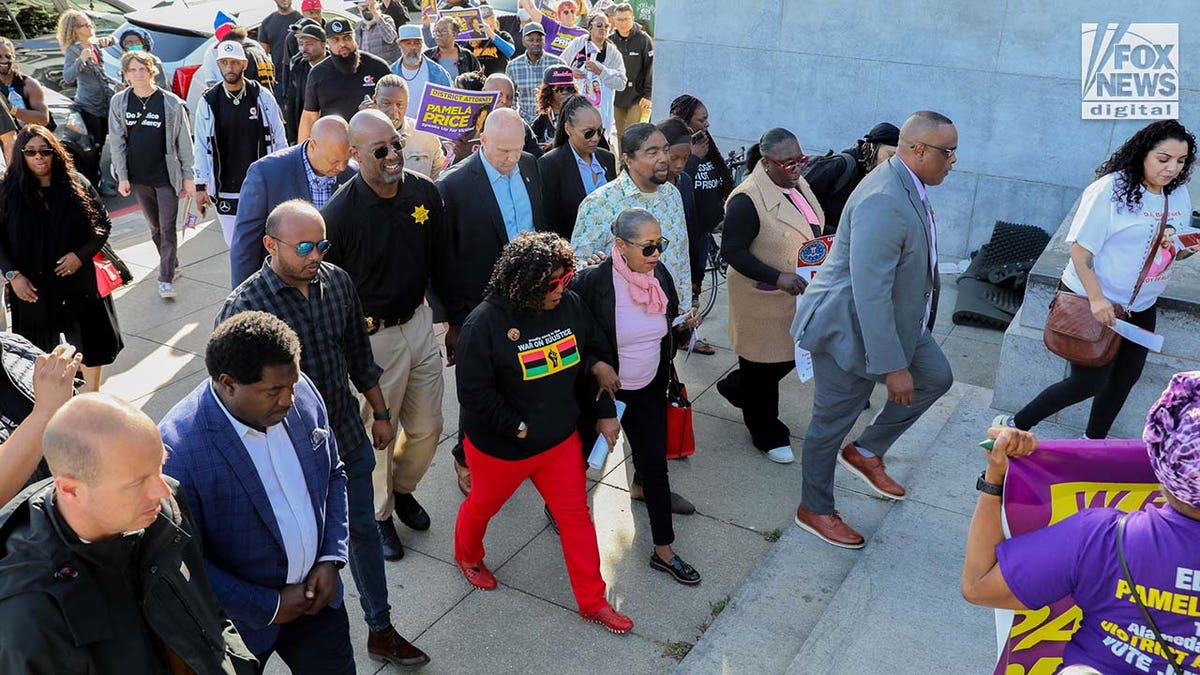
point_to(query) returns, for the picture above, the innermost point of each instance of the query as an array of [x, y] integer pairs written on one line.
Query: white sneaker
[[1003, 420], [781, 455], [166, 290]]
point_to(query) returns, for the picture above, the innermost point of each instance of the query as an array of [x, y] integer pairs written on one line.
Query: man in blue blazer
[[312, 171], [258, 465]]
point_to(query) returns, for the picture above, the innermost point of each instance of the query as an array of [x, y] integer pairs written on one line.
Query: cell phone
[[699, 136]]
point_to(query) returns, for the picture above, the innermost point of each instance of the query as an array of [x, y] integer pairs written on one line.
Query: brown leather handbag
[[1074, 334]]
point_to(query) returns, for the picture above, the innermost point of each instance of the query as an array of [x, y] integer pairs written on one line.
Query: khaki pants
[[624, 117], [412, 386]]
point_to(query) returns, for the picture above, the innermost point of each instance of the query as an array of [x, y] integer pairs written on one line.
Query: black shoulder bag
[[1162, 643]]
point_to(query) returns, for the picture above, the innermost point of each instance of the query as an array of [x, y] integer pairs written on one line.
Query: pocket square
[[318, 438]]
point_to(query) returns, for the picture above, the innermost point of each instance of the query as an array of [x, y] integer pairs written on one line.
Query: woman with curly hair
[[522, 356], [52, 223], [1115, 230], [558, 85]]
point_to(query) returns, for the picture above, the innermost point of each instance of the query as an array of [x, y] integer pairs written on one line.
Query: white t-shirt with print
[[1120, 238]]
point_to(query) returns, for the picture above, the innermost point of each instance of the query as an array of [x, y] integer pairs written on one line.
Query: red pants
[[558, 474]]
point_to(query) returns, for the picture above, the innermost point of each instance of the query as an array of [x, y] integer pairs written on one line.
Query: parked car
[[69, 130], [182, 33]]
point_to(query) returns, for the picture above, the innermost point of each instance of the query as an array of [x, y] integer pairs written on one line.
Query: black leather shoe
[[677, 568], [392, 548], [410, 512]]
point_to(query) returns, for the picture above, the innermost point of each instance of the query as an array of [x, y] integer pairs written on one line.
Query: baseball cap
[[338, 27], [309, 5], [409, 31], [310, 28], [532, 28], [558, 75], [230, 50]]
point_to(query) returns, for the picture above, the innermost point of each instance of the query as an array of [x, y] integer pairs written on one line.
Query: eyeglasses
[[558, 283], [649, 249], [37, 152], [791, 166], [383, 150], [948, 152], [305, 247]]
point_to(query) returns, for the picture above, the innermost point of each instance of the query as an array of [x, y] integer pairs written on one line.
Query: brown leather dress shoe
[[871, 470], [464, 478], [830, 527], [388, 646]]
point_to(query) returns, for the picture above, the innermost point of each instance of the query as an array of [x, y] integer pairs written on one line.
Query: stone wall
[[1007, 72]]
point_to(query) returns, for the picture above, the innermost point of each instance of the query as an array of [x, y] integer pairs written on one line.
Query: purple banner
[[1054, 483], [469, 21], [559, 36], [454, 114]]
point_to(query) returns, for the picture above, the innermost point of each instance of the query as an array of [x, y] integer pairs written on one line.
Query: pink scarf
[[643, 286]]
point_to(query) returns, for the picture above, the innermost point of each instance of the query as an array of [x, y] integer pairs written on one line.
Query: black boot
[[392, 548], [410, 512]]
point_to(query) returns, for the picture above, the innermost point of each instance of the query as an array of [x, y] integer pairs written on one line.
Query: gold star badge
[[420, 214]]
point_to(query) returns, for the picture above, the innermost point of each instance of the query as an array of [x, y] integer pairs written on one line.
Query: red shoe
[[871, 470], [831, 528], [478, 575], [610, 618]]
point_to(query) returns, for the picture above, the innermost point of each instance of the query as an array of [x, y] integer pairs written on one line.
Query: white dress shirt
[[282, 477]]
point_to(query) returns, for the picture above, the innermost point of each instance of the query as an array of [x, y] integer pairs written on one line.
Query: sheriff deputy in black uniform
[[386, 231]]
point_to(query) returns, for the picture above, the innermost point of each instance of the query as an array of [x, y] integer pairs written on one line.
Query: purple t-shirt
[[1078, 557]]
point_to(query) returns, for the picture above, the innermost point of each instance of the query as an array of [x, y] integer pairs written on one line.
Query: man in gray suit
[[865, 319]]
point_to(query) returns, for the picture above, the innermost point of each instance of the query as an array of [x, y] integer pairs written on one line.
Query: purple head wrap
[[1172, 438]]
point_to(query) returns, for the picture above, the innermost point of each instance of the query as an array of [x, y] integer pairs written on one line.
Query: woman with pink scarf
[[634, 300]]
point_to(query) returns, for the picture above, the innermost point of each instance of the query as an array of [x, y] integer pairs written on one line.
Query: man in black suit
[[312, 171], [576, 167], [489, 199]]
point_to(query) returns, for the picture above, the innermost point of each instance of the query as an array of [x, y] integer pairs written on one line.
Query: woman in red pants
[[521, 354]]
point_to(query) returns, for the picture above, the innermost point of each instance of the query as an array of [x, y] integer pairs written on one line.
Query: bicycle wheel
[[714, 274]]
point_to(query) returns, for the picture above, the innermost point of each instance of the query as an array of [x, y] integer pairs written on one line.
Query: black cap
[[338, 27], [310, 28], [883, 134]]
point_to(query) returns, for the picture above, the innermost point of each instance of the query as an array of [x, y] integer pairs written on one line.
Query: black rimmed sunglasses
[[383, 150], [649, 249]]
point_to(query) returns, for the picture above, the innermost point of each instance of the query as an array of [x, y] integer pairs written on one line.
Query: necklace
[[144, 101], [415, 75], [237, 100]]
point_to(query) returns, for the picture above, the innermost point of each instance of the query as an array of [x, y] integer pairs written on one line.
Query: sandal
[[704, 348]]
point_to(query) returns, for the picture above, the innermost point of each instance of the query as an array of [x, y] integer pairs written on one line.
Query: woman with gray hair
[[635, 302], [1091, 555]]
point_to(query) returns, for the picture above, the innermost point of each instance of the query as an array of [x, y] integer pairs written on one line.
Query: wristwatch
[[382, 416], [11, 274], [988, 488]]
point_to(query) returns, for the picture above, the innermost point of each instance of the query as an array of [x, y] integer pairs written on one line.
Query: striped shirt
[[528, 77]]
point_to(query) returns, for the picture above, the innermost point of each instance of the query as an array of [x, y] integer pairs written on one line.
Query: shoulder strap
[[1162, 643], [1154, 244]]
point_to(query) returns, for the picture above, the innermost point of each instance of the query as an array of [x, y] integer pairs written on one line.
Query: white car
[[183, 33]]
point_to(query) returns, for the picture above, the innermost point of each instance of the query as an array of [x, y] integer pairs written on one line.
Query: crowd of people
[[564, 255]]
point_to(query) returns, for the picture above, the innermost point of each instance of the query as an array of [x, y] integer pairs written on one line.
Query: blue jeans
[[366, 547]]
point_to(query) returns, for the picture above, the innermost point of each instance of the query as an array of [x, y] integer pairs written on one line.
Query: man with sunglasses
[[23, 94], [865, 319], [386, 229], [319, 302], [311, 171]]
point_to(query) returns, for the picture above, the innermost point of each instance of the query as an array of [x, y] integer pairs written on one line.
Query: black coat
[[475, 230], [594, 286], [66, 607], [562, 186]]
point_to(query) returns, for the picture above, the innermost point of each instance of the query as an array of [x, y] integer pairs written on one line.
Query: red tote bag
[[681, 438]]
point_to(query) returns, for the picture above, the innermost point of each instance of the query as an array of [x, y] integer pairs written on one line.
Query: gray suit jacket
[[866, 306]]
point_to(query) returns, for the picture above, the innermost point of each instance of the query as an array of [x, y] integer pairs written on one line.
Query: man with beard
[[22, 94], [527, 69], [319, 303], [310, 37], [385, 229], [643, 184], [415, 69], [340, 84], [480, 225], [272, 35], [237, 122], [447, 53], [422, 150]]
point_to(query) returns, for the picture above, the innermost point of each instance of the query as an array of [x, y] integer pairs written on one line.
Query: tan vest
[[759, 320]]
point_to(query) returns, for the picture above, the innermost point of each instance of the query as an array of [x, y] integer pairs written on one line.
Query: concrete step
[[786, 595]]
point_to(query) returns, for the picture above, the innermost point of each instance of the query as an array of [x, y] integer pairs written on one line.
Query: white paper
[[1141, 336], [804, 364], [599, 454]]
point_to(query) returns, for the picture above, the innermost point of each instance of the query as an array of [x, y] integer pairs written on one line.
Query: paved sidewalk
[[530, 624]]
